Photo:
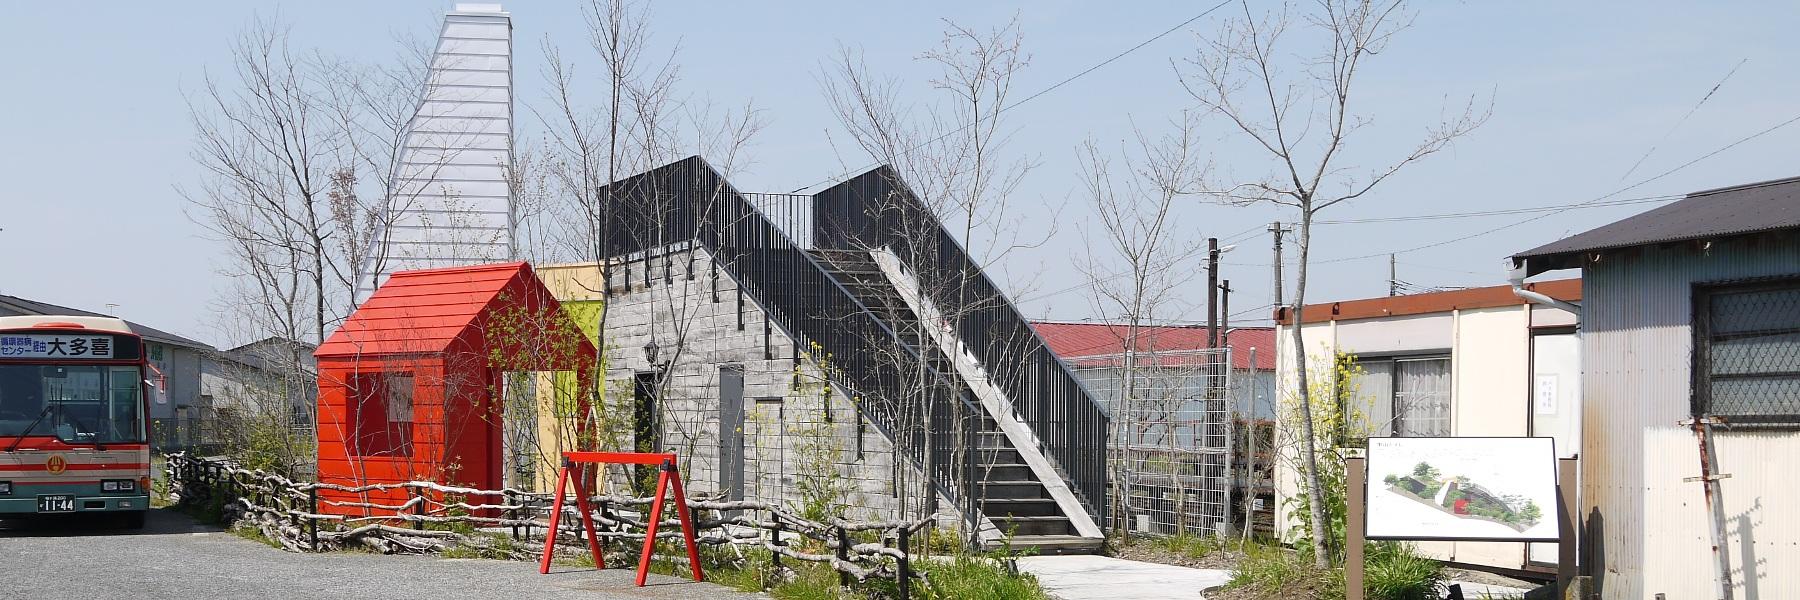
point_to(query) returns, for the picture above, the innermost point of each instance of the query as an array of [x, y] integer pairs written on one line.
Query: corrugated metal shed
[[1730, 211], [1644, 525]]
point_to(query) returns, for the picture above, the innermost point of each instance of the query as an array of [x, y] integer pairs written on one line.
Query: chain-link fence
[[1171, 449]]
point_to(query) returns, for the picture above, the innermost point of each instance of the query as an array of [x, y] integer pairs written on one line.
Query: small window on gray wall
[[1747, 352]]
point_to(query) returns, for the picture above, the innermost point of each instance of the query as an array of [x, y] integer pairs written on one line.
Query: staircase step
[[1052, 544], [1017, 526], [1013, 489], [996, 508], [1004, 472], [1004, 454]]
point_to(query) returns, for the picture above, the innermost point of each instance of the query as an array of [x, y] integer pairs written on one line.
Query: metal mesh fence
[[1171, 447]]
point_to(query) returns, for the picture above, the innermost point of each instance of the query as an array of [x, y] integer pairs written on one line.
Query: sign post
[[668, 482], [1459, 489], [1355, 519]]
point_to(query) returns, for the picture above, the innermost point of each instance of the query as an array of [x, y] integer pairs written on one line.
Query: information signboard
[[1480, 489]]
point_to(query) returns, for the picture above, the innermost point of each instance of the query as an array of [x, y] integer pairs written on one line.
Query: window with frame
[[1746, 361], [383, 405], [1406, 396]]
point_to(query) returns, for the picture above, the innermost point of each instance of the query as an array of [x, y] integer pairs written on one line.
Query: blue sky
[[97, 137]]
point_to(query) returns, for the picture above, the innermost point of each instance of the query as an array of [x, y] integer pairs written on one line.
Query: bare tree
[[298, 150], [1302, 121], [1143, 244], [953, 188]]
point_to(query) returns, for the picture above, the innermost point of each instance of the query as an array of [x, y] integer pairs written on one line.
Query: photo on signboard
[[1501, 489]]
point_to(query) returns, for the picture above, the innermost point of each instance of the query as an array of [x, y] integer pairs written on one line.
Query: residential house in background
[[1689, 310], [273, 378], [179, 405], [1178, 422], [1479, 362]]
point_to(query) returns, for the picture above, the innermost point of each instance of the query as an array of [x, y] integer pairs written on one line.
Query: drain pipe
[[1517, 277]]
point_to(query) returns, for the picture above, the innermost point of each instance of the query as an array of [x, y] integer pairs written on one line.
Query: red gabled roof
[[1098, 344], [422, 311]]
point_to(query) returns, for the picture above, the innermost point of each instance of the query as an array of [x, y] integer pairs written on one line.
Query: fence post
[[905, 586], [512, 514], [419, 509], [312, 522], [843, 554], [775, 540]]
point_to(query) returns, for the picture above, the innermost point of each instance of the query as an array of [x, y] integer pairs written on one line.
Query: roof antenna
[[112, 309]]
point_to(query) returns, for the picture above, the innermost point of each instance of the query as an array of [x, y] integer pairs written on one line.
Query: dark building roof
[[1731, 211], [32, 307]]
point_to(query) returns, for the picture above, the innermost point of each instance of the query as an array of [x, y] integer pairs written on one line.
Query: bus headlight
[[118, 485], [5, 488]]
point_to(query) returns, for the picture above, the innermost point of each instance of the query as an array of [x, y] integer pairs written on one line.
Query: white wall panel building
[[452, 197]]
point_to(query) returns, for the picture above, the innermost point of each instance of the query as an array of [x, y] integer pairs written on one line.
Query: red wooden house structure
[[408, 386]]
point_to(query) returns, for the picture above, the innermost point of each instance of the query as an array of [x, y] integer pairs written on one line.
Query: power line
[[1622, 190], [1047, 90], [1505, 211], [1684, 118]]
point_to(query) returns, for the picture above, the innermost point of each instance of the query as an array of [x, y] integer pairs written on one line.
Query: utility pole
[[1225, 313], [1393, 277], [1276, 229], [1212, 292]]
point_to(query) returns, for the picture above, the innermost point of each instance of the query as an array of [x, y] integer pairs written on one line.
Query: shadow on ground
[[159, 521]]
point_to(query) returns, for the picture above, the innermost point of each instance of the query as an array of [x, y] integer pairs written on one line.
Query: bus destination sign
[[46, 345]]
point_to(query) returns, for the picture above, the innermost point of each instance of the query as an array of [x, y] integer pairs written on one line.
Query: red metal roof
[[422, 311], [1568, 290], [1099, 344]]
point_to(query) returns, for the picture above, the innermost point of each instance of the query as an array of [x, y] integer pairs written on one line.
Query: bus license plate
[[57, 503]]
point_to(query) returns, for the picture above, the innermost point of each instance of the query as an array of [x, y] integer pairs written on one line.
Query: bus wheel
[[132, 519]]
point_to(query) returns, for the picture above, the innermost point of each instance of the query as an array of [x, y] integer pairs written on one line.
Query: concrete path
[[176, 559], [1084, 577], [1486, 591]]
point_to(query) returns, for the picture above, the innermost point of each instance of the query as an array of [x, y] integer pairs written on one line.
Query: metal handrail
[[875, 210], [688, 200]]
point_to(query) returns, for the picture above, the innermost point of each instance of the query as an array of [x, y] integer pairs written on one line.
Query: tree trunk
[[1314, 495]]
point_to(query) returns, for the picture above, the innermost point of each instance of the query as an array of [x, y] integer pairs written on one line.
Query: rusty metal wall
[[1646, 530]]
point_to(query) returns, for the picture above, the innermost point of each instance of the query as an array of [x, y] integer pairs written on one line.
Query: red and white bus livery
[[72, 406]]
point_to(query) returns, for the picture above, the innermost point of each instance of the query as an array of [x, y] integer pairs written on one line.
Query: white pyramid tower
[[452, 202]]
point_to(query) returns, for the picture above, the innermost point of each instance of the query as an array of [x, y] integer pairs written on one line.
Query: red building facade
[[408, 386]]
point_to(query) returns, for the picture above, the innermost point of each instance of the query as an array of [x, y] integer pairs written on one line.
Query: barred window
[[1747, 352]]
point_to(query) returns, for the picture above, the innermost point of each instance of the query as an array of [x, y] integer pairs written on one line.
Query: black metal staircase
[[1008, 492], [836, 296]]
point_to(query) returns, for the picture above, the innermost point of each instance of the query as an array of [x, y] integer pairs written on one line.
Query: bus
[[73, 398]]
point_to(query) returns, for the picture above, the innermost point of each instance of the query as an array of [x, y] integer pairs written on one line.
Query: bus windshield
[[79, 404]]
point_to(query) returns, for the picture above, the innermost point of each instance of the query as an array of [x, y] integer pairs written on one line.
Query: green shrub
[[1395, 572]]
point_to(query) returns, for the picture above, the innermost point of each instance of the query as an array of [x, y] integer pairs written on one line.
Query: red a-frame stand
[[669, 476]]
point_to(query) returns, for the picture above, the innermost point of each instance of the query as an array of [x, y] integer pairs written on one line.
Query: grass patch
[[1187, 544], [1392, 571]]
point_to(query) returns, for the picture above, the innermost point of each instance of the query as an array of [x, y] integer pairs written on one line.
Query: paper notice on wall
[[1544, 395]]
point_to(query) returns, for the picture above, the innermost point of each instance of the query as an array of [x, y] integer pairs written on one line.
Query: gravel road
[[176, 559]]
